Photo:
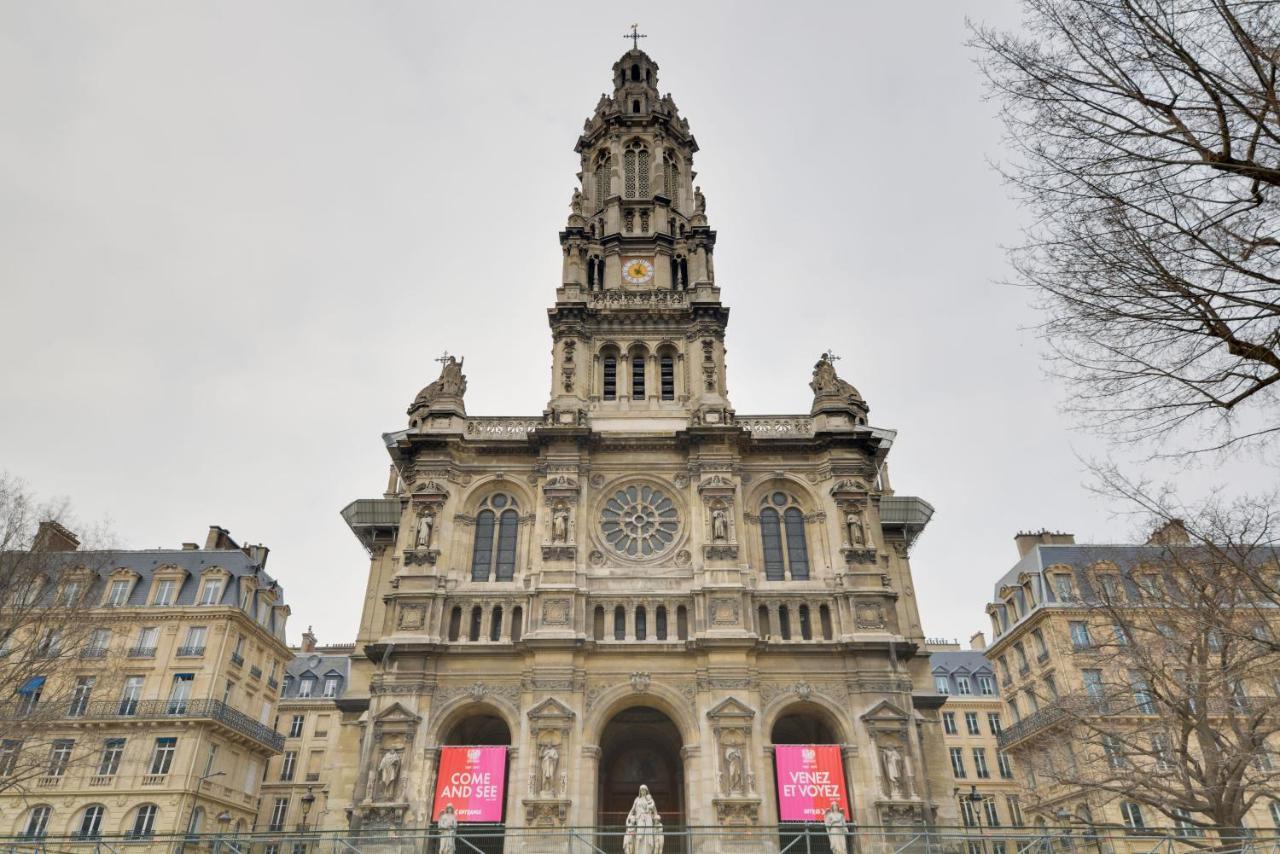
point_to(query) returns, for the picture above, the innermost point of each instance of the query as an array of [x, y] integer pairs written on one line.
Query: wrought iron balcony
[[214, 710], [93, 652], [273, 683], [142, 652], [190, 651], [1063, 708], [255, 672], [237, 659]]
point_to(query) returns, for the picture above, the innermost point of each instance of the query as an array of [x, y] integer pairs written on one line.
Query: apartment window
[[949, 723], [1063, 587], [277, 814], [1114, 750], [1142, 697], [59, 756], [1042, 651], [941, 685], [1131, 813], [1002, 761], [164, 592], [69, 595], [112, 751], [30, 695], [957, 763], [1020, 654], [1032, 702], [1014, 809], [1093, 683], [80, 695], [147, 638], [331, 686], [1079, 635], [1274, 808], [227, 691], [1014, 710], [1182, 820], [99, 640], [980, 763], [993, 815], [196, 636], [304, 687], [9, 750], [162, 756], [962, 686], [1151, 587], [180, 693], [239, 647], [993, 723], [967, 814], [1163, 754], [971, 723], [210, 759], [288, 765], [118, 593], [986, 686], [91, 822], [50, 643], [1121, 633], [295, 726], [144, 822], [211, 591], [37, 821]]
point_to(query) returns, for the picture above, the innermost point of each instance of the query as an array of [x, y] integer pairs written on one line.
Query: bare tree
[[48, 659], [1178, 707], [1146, 142]]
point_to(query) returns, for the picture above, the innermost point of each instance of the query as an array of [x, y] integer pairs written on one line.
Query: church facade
[[640, 585]]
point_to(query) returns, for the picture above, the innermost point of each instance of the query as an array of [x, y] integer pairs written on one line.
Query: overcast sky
[[233, 236]]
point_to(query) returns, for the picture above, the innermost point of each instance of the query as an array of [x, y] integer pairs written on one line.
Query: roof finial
[[635, 35]]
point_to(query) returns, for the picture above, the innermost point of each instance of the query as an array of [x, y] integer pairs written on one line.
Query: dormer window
[[211, 591], [165, 591], [118, 593], [331, 686], [1063, 587], [305, 686]]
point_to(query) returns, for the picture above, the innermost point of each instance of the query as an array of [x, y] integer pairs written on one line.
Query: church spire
[[638, 323]]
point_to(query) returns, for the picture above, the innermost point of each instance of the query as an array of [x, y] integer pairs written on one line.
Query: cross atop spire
[[635, 35]]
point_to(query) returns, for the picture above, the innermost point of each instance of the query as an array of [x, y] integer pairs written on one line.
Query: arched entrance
[[805, 723], [640, 745], [480, 726]]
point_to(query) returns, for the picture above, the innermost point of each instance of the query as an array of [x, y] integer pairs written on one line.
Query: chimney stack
[[1027, 540], [1171, 533], [978, 642], [308, 640], [219, 538], [52, 537]]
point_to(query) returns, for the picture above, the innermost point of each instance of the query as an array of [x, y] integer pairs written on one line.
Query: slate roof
[[318, 665]]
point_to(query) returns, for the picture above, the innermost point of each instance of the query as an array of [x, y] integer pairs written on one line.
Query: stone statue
[[389, 774], [560, 524], [837, 829], [733, 760], [894, 766], [827, 384], [450, 384], [426, 526], [447, 825], [575, 204], [550, 759], [644, 826], [719, 525], [699, 201], [853, 526]]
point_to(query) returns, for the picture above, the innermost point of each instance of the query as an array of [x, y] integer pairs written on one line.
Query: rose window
[[639, 521]]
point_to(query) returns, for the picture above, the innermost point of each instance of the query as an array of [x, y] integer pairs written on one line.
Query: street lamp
[[224, 821], [307, 801], [975, 809], [195, 805]]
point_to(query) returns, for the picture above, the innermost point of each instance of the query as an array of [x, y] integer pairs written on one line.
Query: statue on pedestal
[[550, 759], [719, 525], [388, 775], [447, 825], [837, 829], [894, 763], [426, 524], [644, 826]]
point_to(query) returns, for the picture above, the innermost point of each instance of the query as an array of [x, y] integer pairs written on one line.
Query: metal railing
[[785, 839], [216, 710]]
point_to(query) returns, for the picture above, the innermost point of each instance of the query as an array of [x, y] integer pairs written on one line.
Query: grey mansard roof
[[317, 665]]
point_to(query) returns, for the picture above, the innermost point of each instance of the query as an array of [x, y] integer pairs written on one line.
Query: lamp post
[[307, 801], [975, 809], [1064, 818], [195, 805], [224, 821]]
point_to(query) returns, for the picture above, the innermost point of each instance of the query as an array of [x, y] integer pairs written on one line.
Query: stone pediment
[[886, 713], [395, 714], [551, 710], [730, 711]]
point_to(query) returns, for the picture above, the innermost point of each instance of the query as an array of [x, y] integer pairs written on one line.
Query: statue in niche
[[719, 525], [447, 825], [644, 826], [837, 829], [894, 765], [853, 530], [733, 762], [389, 774], [426, 527], [549, 759], [699, 201], [560, 524]]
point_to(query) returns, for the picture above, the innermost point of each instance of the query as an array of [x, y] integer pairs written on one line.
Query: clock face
[[637, 271]]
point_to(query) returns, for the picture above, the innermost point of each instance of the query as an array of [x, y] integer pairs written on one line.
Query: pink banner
[[472, 779], [810, 777]]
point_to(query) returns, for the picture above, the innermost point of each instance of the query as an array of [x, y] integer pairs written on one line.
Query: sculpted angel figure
[[447, 824], [644, 826], [837, 829]]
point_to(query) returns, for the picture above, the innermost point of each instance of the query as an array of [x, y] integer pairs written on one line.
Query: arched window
[[517, 624], [682, 623], [824, 617], [144, 822], [37, 821], [635, 73], [637, 376], [494, 552], [619, 623], [495, 623], [784, 622], [595, 273], [670, 176], [603, 164], [477, 617], [91, 822], [762, 621], [455, 623], [642, 624], [597, 623], [660, 623], [806, 625], [610, 385], [635, 106], [635, 165], [667, 378], [782, 524]]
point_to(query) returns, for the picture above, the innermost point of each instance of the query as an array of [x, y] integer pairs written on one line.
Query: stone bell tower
[[638, 325]]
